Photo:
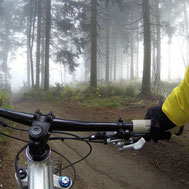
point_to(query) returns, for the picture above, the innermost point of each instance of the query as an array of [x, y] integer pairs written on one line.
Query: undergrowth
[[102, 96], [4, 100], [110, 95], [105, 95], [4, 103]]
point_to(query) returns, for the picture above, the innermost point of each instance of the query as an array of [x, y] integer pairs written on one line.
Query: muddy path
[[106, 167]]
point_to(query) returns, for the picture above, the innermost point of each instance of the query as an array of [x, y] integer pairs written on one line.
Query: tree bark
[[43, 25], [6, 46], [137, 56], [93, 76], [154, 52], [115, 57], [158, 32], [146, 86], [47, 42], [107, 73], [43, 57], [132, 58], [31, 35], [28, 55], [38, 43], [110, 66]]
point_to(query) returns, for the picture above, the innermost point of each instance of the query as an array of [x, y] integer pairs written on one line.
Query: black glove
[[160, 123]]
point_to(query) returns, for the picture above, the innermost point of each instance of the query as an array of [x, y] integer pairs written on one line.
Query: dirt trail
[[106, 168]]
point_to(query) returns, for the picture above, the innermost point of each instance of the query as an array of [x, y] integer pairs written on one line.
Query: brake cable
[[13, 137], [76, 138], [4, 124], [74, 171]]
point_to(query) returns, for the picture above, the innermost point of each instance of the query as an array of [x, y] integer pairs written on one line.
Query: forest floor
[[162, 165]]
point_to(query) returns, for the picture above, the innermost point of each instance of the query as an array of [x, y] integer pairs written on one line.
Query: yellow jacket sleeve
[[176, 106]]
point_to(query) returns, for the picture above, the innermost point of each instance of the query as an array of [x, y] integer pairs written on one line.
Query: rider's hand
[[160, 123]]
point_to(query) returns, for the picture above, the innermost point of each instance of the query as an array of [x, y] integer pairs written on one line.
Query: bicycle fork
[[40, 175]]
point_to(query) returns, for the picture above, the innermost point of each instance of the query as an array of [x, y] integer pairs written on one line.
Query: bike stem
[[40, 174], [39, 135]]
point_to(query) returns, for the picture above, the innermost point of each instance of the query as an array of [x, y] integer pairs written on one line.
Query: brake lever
[[121, 143], [136, 146]]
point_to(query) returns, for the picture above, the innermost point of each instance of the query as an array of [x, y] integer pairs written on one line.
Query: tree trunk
[[107, 73], [154, 47], [33, 10], [111, 55], [43, 16], [121, 65], [31, 36], [93, 77], [115, 57], [28, 54], [132, 62], [137, 56], [43, 58], [146, 86], [158, 32], [110, 66], [38, 43], [47, 42], [6, 46]]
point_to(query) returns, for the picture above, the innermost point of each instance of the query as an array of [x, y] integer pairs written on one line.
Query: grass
[[102, 96], [105, 95], [113, 102]]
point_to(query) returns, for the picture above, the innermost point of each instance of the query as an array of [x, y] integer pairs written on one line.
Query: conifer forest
[[93, 41]]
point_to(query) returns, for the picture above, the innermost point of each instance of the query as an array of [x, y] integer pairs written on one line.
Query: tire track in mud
[[118, 182], [115, 170]]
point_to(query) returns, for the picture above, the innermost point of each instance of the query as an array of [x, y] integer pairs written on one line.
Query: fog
[[115, 31]]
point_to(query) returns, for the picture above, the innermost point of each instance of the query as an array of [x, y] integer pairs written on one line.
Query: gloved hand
[[160, 123]]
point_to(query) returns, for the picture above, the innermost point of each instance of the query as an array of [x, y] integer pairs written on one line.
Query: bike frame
[[38, 153], [40, 175]]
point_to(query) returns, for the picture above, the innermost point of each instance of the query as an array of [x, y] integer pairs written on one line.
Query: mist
[[43, 43], [107, 62]]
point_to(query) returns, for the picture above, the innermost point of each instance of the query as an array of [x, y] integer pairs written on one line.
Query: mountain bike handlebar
[[123, 134], [57, 124]]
